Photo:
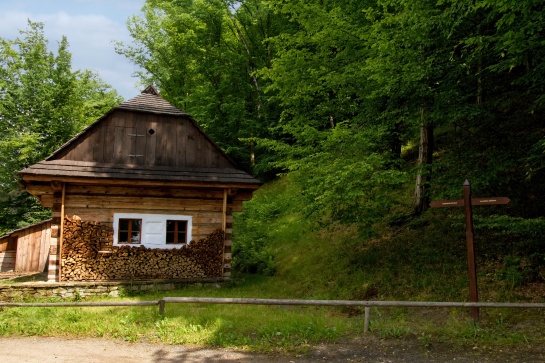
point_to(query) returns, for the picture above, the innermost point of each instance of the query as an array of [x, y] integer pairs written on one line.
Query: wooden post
[[224, 229], [366, 322], [224, 221], [468, 203], [471, 266], [61, 232]]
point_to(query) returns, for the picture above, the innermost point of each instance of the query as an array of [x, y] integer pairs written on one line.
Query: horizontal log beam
[[247, 301], [76, 304], [136, 182]]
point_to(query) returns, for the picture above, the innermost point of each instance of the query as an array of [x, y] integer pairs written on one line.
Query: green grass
[[420, 259], [259, 328], [270, 328]]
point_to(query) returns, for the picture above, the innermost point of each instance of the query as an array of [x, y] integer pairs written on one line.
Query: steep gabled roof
[[82, 169], [149, 101]]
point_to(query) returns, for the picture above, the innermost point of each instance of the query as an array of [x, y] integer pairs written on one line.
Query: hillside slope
[[402, 258]]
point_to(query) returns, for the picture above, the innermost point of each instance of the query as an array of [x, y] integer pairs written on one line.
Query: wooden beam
[[224, 222], [56, 185], [224, 229], [59, 261], [471, 266], [139, 182]]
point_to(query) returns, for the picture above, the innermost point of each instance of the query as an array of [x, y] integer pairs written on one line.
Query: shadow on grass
[[25, 277]]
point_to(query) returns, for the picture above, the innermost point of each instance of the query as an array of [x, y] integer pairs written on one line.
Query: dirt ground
[[364, 349]]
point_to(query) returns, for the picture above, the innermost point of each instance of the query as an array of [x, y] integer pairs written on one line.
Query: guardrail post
[[162, 307], [366, 321]]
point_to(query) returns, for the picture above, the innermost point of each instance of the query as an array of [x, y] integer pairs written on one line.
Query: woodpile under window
[[82, 260]]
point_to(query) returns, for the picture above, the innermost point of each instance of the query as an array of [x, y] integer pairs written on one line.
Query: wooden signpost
[[468, 202]]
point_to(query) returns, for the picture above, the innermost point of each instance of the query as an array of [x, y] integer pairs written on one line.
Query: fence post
[[162, 307], [366, 321]]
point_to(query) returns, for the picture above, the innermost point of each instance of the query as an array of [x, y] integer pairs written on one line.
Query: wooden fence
[[247, 301]]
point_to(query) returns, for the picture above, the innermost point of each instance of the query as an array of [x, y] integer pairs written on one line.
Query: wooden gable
[[145, 130], [137, 138]]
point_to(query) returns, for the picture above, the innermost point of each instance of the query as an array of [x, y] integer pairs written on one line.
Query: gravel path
[[367, 349]]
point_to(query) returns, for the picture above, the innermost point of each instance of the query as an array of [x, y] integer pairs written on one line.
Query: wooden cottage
[[145, 193]]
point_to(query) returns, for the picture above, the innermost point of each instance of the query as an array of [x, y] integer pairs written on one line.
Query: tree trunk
[[252, 153], [395, 141], [479, 100], [425, 159], [259, 104]]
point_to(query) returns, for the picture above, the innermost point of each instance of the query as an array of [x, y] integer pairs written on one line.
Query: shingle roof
[[23, 228], [150, 101], [84, 169]]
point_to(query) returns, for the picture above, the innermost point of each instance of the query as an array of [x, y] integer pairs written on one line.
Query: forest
[[370, 108], [360, 98]]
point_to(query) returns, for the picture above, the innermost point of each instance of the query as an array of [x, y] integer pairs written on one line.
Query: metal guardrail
[[248, 301]]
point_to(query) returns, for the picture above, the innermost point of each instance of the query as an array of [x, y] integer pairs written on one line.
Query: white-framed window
[[152, 230]]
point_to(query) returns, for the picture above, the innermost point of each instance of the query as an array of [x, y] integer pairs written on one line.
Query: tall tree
[[409, 63], [43, 103], [203, 56], [331, 133], [492, 132]]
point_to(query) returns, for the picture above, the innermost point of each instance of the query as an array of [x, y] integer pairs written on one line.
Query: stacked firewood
[[82, 240], [85, 258]]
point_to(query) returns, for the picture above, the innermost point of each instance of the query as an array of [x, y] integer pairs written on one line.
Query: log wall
[[210, 208], [32, 248], [7, 261], [99, 203], [4, 243]]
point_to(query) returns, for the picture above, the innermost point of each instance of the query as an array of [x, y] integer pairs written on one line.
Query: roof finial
[[151, 90]]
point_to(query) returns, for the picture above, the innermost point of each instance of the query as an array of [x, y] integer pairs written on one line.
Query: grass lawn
[[269, 328]]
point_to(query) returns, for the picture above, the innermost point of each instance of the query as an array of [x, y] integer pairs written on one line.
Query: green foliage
[[511, 272], [43, 103], [517, 246], [348, 181], [415, 258], [515, 226], [253, 244], [338, 90]]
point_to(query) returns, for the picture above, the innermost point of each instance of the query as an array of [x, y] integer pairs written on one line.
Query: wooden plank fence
[[248, 301]]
